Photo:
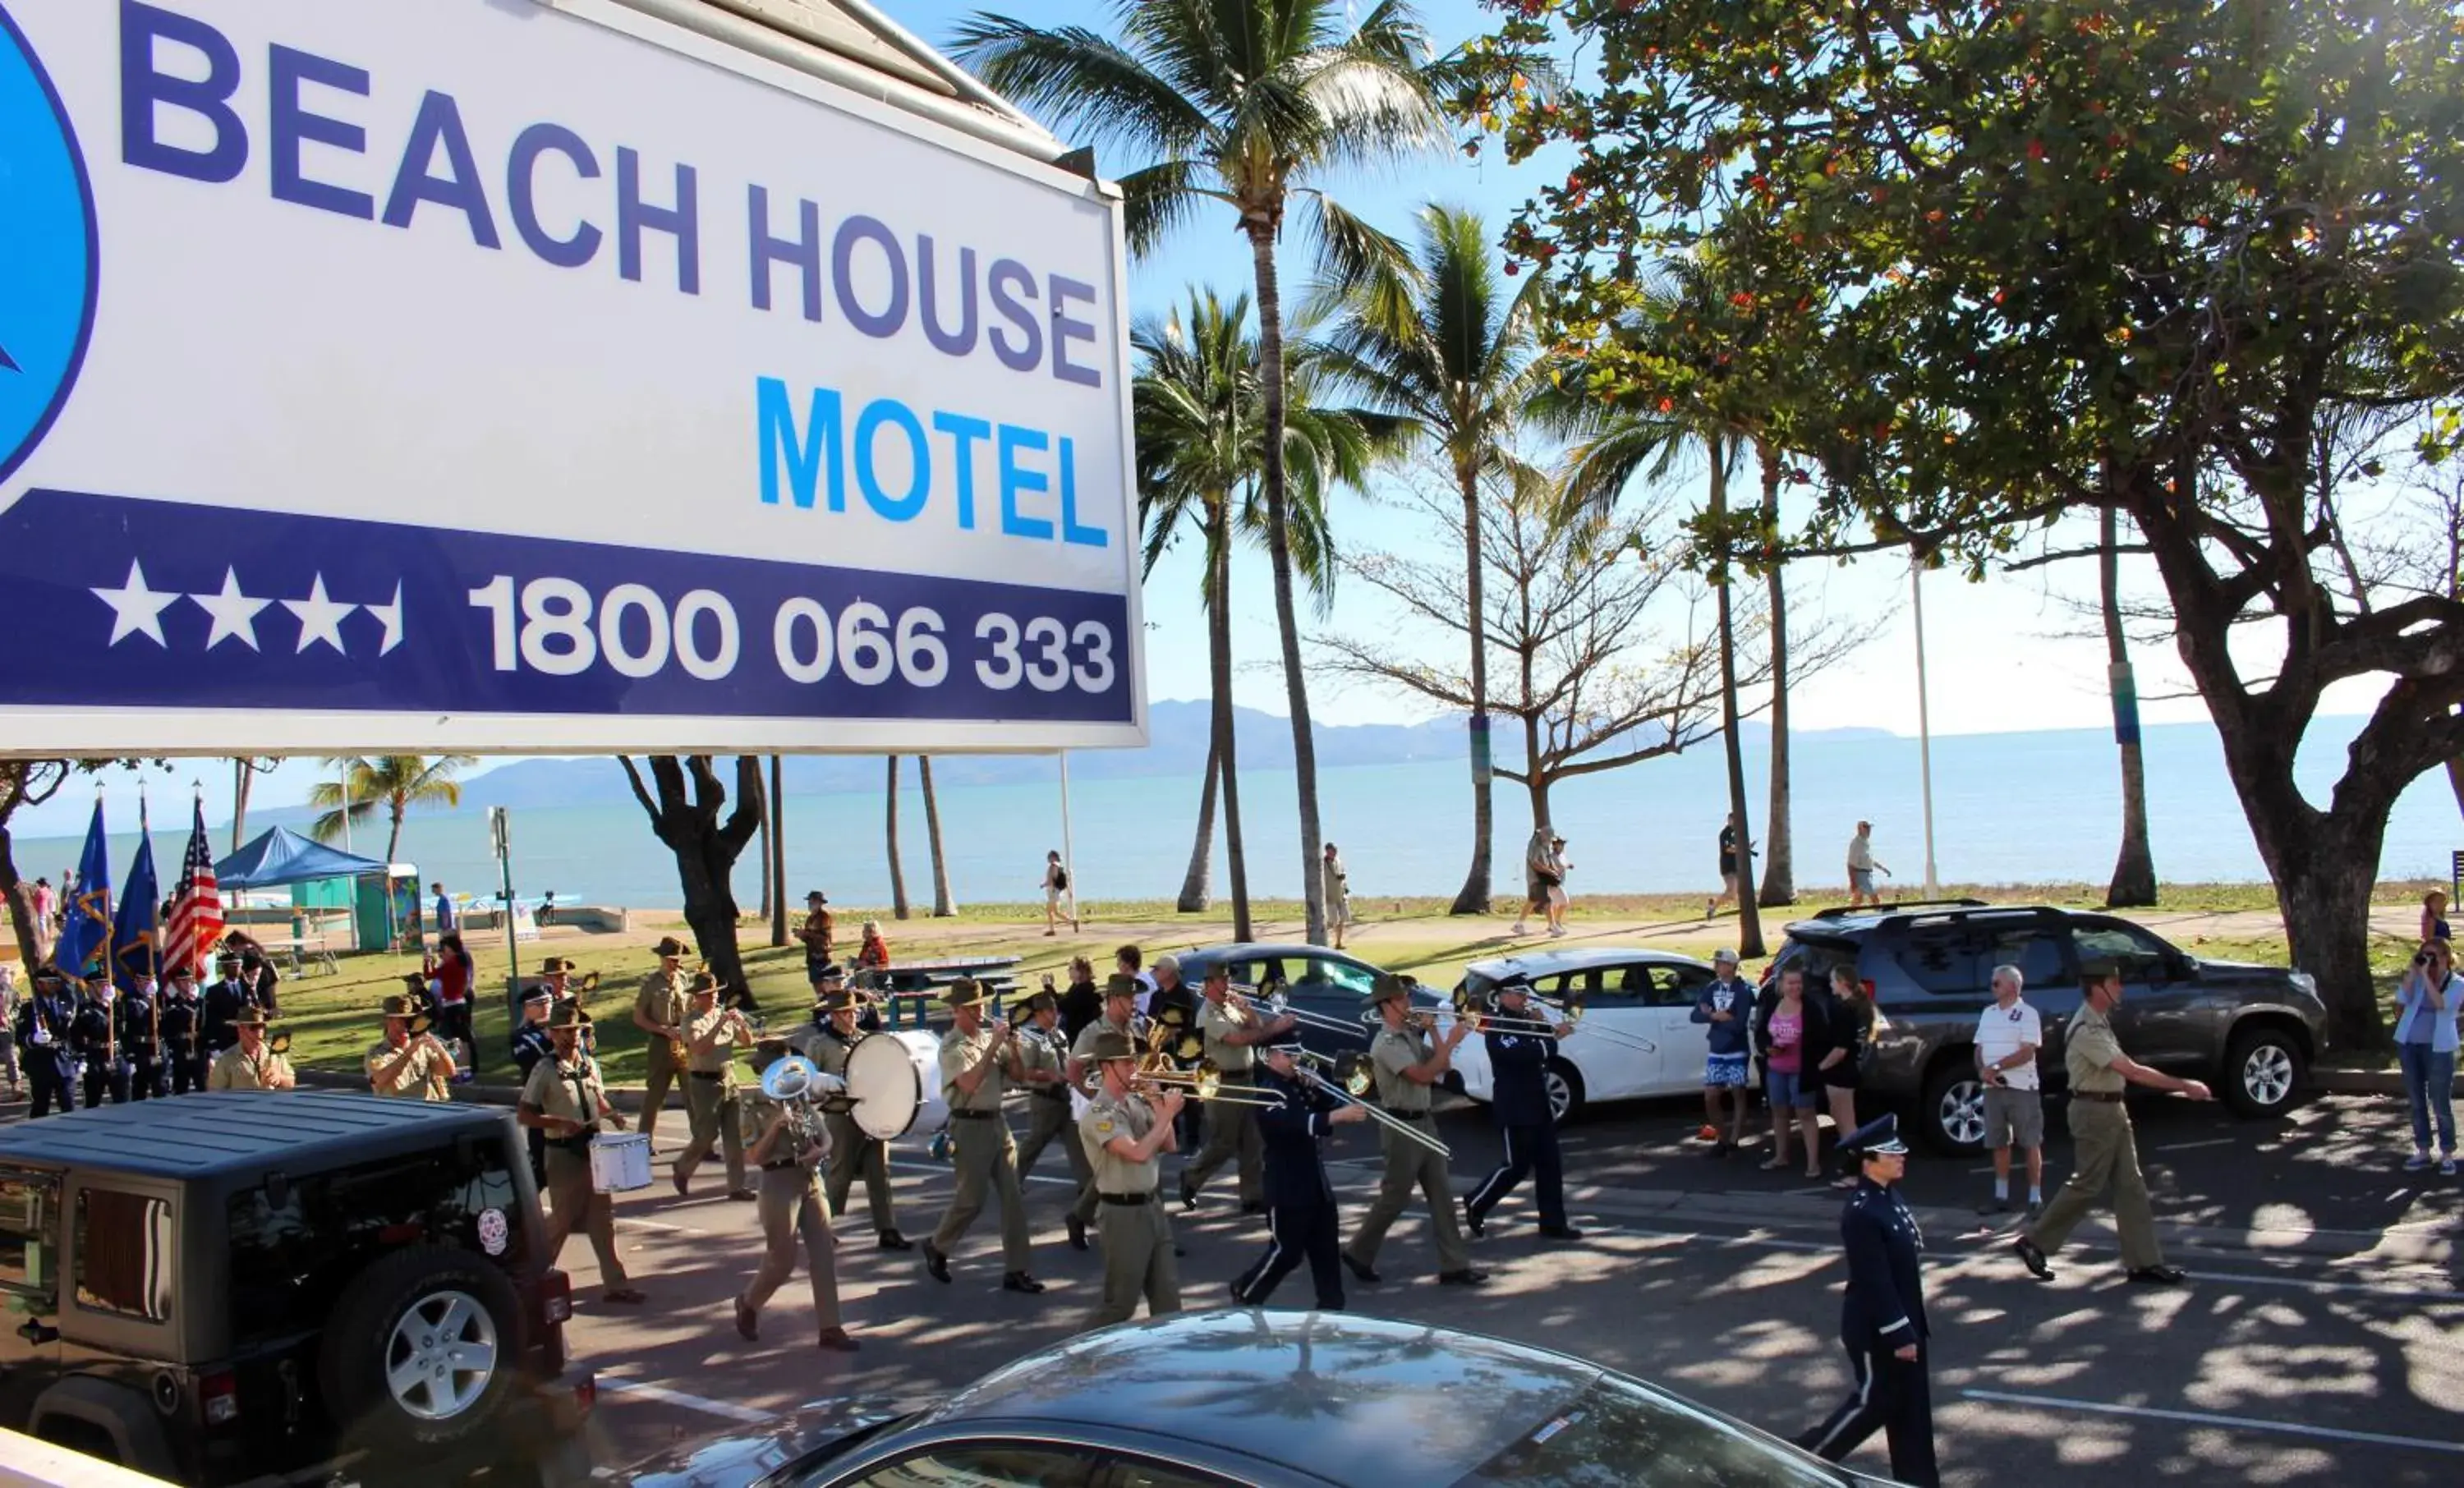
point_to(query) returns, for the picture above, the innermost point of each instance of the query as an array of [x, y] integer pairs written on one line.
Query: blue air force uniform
[[1518, 1064], [1301, 1221], [1882, 1313]]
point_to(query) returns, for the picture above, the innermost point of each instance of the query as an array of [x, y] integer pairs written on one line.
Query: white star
[[234, 613], [136, 608], [389, 616], [321, 619]]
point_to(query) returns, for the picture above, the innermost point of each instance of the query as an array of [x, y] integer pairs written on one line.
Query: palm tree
[[1242, 103], [897, 874], [396, 783], [1779, 846], [1201, 437], [1437, 344], [942, 905]]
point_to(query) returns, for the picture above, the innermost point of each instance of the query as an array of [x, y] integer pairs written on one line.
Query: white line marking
[[2184, 1146], [726, 1410], [2229, 1422], [661, 1224], [2304, 1284], [947, 1171]]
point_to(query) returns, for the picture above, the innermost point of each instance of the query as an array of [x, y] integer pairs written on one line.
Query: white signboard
[[482, 375]]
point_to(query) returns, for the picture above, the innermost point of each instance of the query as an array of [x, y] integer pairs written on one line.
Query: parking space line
[[726, 1410], [2184, 1146], [2228, 1422]]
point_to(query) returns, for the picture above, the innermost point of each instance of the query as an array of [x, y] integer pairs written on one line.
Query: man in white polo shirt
[[2008, 1036]]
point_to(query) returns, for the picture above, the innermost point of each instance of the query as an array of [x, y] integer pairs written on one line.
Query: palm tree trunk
[[2134, 870], [1194, 887], [1779, 857], [243, 774], [1279, 556], [1473, 898], [897, 875], [769, 885], [1225, 747], [1749, 920], [775, 849], [942, 908], [393, 838]]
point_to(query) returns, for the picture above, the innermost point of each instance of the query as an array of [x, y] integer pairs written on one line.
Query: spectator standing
[[1731, 868], [455, 972], [447, 920], [1559, 866], [1861, 867], [820, 933], [1789, 1035], [2008, 1036], [8, 998], [1056, 884], [2429, 999], [47, 909], [1728, 1010], [1334, 889], [1127, 962], [873, 954], [1083, 1003], [1853, 1022], [2434, 916], [1539, 875]]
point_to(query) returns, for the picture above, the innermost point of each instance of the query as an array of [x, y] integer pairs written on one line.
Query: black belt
[[714, 1074], [1125, 1200], [780, 1167], [2108, 1097], [1043, 1094], [958, 1115], [581, 1143]]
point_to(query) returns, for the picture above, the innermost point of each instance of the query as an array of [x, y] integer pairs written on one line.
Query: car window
[[1939, 959], [1266, 971], [123, 1254], [2038, 954], [2139, 955], [1619, 1434], [30, 1247], [980, 1465], [1343, 975], [1139, 1473], [1678, 986]]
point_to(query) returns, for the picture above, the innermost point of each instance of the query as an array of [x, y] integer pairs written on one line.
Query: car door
[[2158, 1023], [1610, 1067], [1685, 1044], [31, 1256]]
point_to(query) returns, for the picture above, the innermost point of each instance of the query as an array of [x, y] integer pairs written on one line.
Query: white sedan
[[1646, 994]]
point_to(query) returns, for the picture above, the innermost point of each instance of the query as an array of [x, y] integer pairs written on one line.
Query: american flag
[[196, 906]]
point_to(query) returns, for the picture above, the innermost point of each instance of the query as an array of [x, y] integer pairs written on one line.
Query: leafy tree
[[1437, 343], [2012, 260], [395, 782]]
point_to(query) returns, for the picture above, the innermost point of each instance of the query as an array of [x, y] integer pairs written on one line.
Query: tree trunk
[[1279, 556], [19, 787], [1225, 746], [685, 817], [1201, 853], [1536, 785], [393, 838], [2134, 870], [1749, 920], [942, 908], [1779, 854], [244, 773], [897, 874], [2325, 892], [769, 889], [773, 844], [2455, 781], [1474, 895]]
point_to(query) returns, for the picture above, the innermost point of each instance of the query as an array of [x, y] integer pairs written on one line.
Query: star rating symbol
[[389, 616], [234, 613], [321, 619], [135, 609]]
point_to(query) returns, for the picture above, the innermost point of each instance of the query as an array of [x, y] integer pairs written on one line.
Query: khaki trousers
[[1046, 1119], [1231, 1131], [1138, 1263], [852, 1152], [715, 1115], [572, 1205], [2106, 1159], [792, 1215], [986, 1160], [659, 1070], [1410, 1166]]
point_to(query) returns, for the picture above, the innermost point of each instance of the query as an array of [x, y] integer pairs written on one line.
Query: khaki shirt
[[827, 1049], [2088, 1051], [662, 999], [962, 1051], [1038, 1050], [1392, 1052], [233, 1070], [422, 1079], [1216, 1020], [800, 1141], [1083, 1049], [721, 1058], [570, 1091], [1106, 1118]]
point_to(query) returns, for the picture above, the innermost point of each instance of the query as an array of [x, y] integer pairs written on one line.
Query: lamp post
[[1924, 720]]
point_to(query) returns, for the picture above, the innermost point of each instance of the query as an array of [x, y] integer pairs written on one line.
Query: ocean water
[[2009, 808]]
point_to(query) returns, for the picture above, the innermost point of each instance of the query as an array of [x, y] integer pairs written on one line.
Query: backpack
[[1060, 879]]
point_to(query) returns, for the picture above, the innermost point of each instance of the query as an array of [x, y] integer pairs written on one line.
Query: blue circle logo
[[47, 251]]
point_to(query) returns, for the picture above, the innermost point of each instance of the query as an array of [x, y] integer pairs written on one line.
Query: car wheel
[[1565, 1086], [2262, 1072], [1953, 1117], [421, 1350]]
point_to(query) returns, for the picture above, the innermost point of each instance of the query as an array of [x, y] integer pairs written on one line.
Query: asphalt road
[[2322, 1341]]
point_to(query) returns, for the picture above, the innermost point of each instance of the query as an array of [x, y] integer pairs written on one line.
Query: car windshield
[[1619, 1434]]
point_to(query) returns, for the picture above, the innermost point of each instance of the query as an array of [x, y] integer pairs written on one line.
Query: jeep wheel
[[421, 1350], [1952, 1119], [1565, 1086], [2262, 1072]]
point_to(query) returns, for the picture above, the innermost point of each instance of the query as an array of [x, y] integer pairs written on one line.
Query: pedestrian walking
[[2008, 1036], [2430, 1000], [1409, 1060], [1123, 1135], [1539, 876], [1731, 868], [1559, 866], [447, 920], [1334, 889], [979, 1059], [713, 1034], [1519, 1054], [2105, 1152], [1793, 1036], [1862, 865], [1852, 1023], [1302, 1222], [1882, 1317], [1727, 1010], [1056, 884]]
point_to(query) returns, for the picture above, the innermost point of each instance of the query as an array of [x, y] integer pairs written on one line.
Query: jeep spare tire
[[421, 1350]]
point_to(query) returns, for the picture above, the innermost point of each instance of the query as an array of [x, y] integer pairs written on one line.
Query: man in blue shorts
[[1726, 1008]]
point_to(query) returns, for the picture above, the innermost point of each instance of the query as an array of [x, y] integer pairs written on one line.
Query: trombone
[[1204, 1081], [1278, 1004], [1483, 1015], [1352, 1081]]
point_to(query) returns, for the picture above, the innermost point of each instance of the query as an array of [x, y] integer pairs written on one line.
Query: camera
[[2421, 958]]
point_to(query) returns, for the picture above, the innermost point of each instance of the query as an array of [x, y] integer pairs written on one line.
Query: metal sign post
[[500, 839]]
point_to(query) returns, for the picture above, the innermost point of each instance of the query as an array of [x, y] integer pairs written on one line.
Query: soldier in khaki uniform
[[1120, 1017], [407, 1066], [788, 1144], [2106, 1153], [659, 1012], [1409, 1062], [249, 1065], [851, 1152], [976, 1057], [1233, 1031], [1123, 1136], [564, 1099], [713, 1034], [1042, 1054]]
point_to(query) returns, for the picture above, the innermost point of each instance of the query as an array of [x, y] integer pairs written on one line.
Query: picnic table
[[909, 989], [308, 950]]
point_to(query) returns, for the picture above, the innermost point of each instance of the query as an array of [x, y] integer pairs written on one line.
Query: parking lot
[[2322, 1341]]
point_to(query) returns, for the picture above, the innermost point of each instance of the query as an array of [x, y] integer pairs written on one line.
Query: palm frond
[[1083, 79]]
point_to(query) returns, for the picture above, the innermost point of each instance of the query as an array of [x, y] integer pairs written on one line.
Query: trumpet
[[278, 1041], [1205, 1082]]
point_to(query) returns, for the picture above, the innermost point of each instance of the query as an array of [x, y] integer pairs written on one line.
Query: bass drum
[[888, 1078]]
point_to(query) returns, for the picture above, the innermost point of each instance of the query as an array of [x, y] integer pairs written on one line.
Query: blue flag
[[132, 930], [86, 921]]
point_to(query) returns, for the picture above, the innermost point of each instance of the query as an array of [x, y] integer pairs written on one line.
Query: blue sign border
[[42, 425]]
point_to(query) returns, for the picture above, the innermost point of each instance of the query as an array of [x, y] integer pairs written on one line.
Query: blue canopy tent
[[283, 857]]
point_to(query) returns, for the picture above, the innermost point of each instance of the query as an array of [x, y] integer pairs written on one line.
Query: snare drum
[[620, 1162]]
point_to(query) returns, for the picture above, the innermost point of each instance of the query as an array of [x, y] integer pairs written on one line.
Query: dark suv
[[240, 1285], [2250, 1031]]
